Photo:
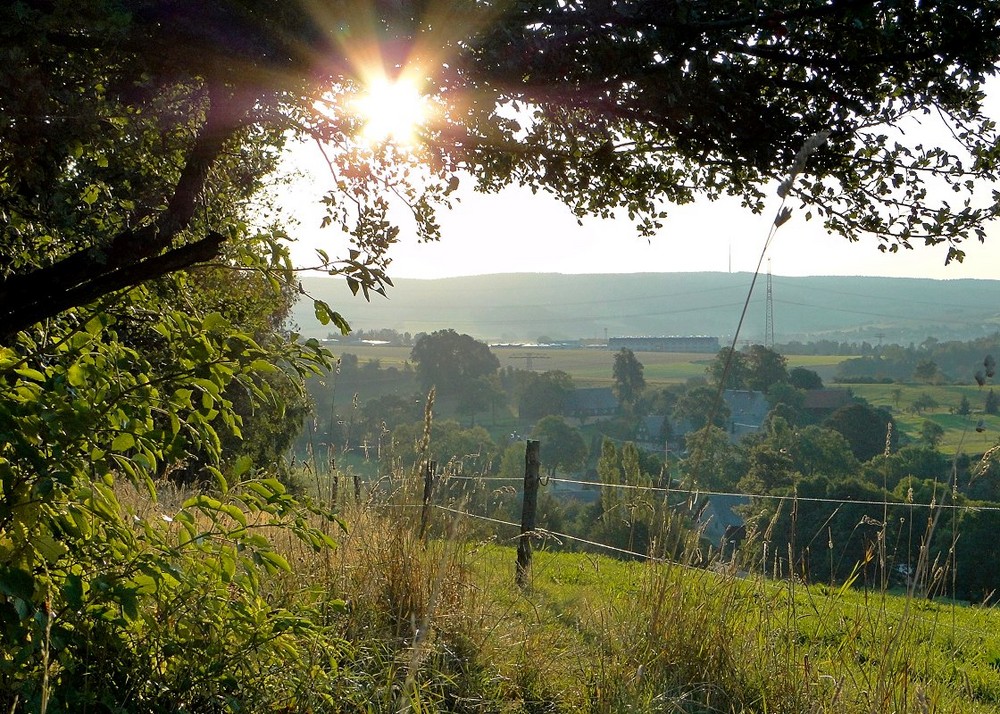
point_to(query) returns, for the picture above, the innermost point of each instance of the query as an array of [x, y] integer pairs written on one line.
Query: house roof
[[744, 402], [719, 514], [591, 399], [821, 399]]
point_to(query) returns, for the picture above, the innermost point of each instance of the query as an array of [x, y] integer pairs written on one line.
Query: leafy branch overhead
[[138, 137]]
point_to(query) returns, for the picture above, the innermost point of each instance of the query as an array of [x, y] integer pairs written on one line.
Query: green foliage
[[765, 367], [562, 446], [870, 431], [992, 403], [462, 449], [629, 382], [931, 432], [803, 378], [730, 367], [700, 406], [451, 362], [713, 463], [94, 586], [926, 371], [541, 395], [923, 402]]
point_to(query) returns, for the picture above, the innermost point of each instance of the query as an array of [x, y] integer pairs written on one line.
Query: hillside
[[526, 306]]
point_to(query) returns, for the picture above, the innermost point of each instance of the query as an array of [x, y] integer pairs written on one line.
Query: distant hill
[[526, 306]]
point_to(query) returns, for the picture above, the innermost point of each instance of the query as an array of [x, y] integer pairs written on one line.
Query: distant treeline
[[825, 347], [931, 361]]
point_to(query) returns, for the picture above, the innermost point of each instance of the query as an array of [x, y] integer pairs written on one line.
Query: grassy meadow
[[441, 626], [960, 432]]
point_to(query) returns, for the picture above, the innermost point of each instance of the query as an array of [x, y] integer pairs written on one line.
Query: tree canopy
[[629, 380], [137, 134], [452, 362]]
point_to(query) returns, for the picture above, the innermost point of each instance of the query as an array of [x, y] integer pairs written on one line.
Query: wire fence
[[560, 537], [819, 539]]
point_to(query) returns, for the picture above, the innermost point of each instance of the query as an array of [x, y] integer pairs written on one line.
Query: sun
[[393, 110]]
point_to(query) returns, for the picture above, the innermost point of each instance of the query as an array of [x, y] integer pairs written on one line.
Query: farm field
[[592, 367]]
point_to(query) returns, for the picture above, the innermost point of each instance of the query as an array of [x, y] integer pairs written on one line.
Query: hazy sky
[[515, 231]]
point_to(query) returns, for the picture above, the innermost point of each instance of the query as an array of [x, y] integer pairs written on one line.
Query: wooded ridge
[[526, 306]]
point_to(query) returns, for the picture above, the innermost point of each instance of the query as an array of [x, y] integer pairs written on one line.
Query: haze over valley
[[516, 307]]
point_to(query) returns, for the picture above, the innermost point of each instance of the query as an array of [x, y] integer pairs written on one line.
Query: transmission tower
[[529, 358], [769, 312]]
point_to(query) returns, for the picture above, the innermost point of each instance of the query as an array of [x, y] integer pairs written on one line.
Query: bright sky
[[517, 232]]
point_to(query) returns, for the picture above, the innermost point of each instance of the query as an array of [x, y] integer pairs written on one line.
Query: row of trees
[[930, 362]]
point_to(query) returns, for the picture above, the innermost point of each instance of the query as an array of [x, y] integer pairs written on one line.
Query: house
[[747, 412], [823, 402], [719, 521], [649, 432], [591, 402]]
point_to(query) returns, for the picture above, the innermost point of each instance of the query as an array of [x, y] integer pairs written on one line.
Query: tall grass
[[440, 626]]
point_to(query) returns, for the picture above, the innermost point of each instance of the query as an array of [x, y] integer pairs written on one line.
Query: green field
[[592, 367], [961, 435]]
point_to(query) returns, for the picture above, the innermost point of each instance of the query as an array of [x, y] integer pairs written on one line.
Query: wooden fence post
[[429, 469], [528, 505]]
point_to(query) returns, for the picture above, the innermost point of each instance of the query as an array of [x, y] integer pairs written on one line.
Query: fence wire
[[778, 497], [759, 577]]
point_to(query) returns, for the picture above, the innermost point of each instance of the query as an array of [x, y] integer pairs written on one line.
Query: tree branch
[[28, 298]]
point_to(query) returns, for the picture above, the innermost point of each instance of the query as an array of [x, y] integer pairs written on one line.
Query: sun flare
[[392, 110]]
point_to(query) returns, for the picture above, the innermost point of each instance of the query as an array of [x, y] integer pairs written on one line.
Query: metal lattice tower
[[769, 312]]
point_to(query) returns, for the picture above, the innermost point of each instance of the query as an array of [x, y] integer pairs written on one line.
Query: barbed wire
[[449, 477], [476, 516], [777, 497]]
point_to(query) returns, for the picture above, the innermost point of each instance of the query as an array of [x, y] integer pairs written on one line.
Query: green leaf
[[123, 442], [260, 365], [73, 590], [215, 322], [272, 561], [203, 502], [242, 465], [341, 323], [235, 513], [322, 311], [228, 565], [76, 375], [29, 373], [48, 547], [15, 582], [95, 325]]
